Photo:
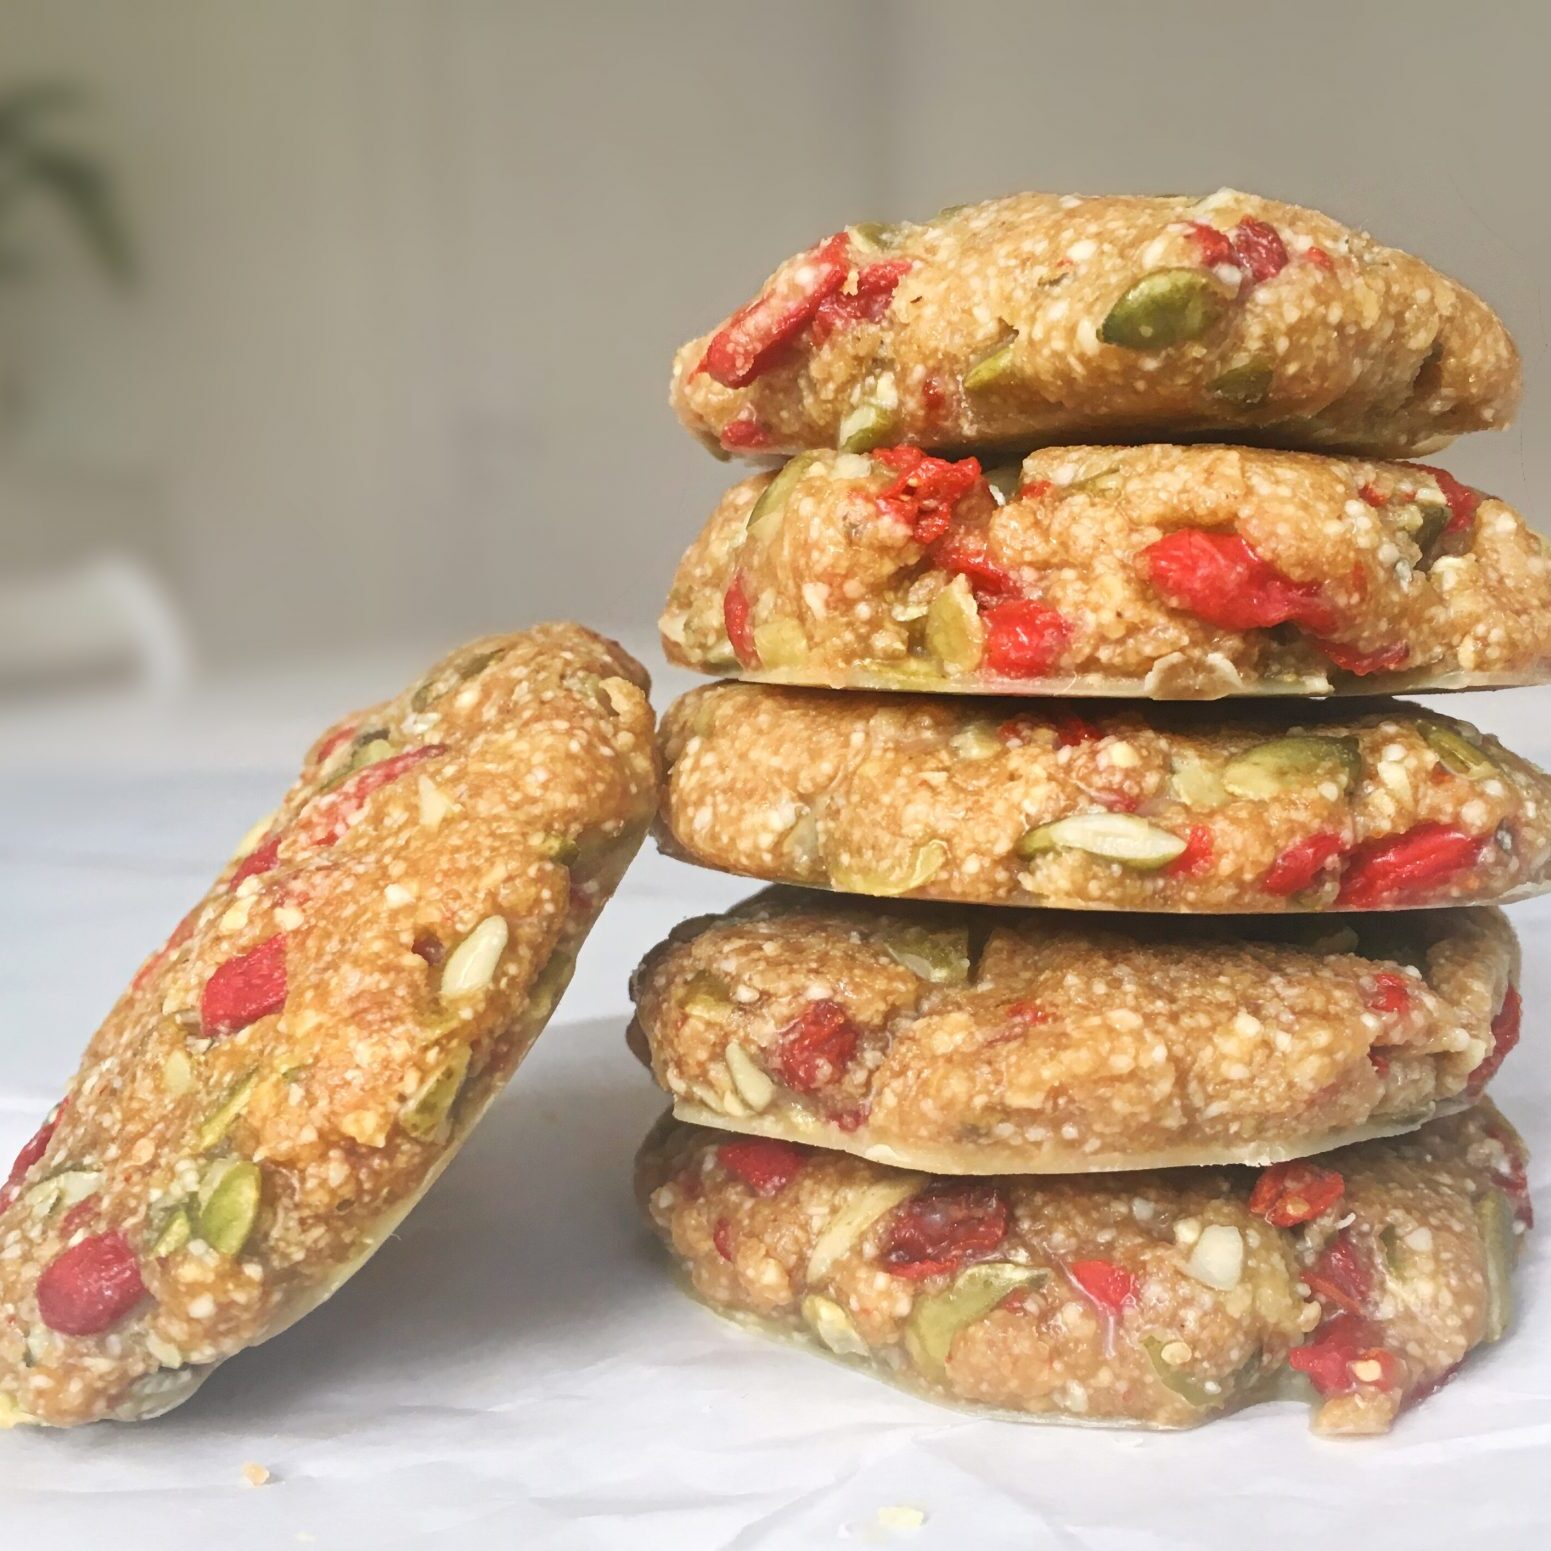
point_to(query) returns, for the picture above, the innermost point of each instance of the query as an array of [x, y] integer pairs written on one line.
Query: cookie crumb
[[901, 1516], [255, 1475]]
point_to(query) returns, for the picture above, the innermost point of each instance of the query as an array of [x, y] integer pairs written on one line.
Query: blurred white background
[[411, 271]]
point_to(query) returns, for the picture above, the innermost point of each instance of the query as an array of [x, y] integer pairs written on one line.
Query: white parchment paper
[[517, 1370]]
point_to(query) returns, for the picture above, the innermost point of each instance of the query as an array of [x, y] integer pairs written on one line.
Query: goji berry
[[737, 618], [1219, 578], [1287, 1194], [1319, 258], [1023, 638], [1462, 500], [32, 1150], [244, 989], [90, 1287], [1382, 872], [1351, 659], [750, 342], [766, 1165], [1215, 247], [746, 432], [1391, 992], [1373, 495], [1337, 1345], [721, 1237], [1341, 1276], [1260, 250], [875, 286], [1110, 1286], [1196, 858], [943, 1227], [964, 554], [1027, 1015], [259, 860], [1302, 863], [1035, 489], [815, 1050], [925, 490], [1505, 1035]]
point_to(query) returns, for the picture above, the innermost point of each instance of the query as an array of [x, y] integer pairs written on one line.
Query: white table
[[517, 1370]]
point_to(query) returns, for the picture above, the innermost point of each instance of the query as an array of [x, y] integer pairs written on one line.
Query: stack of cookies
[[1205, 1127]]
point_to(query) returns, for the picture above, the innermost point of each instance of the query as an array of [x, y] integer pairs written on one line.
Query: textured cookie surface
[[290, 1071], [1041, 318], [1158, 571], [969, 1041], [1155, 1299], [1087, 805]]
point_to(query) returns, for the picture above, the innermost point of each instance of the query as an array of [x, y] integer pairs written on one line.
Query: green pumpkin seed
[[924, 864], [1117, 837], [954, 633], [176, 1231], [995, 369], [1292, 764], [1197, 785], [768, 509], [230, 1207], [1167, 307], [706, 995], [1194, 1391], [425, 1115], [942, 958], [871, 236], [780, 643], [213, 1128], [1245, 387], [1494, 1217], [1457, 753], [937, 1318], [833, 1326], [872, 423], [1434, 520]]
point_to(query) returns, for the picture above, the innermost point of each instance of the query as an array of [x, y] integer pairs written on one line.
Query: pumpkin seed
[[1245, 387], [833, 1326], [937, 1318], [1291, 764], [875, 419], [1494, 1217], [1117, 837], [768, 509], [780, 643], [425, 1115], [213, 1128], [954, 633], [997, 367], [941, 958], [844, 1230], [1457, 753], [1194, 1391], [924, 864], [230, 1207], [1197, 785], [707, 995], [1167, 307], [176, 1231]]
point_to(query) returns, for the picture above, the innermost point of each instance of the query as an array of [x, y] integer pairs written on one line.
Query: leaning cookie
[[1160, 1299], [1175, 573], [1039, 318], [288, 1074], [962, 1041], [1094, 806]]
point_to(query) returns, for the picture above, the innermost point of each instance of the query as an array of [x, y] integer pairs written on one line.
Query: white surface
[[516, 1368]]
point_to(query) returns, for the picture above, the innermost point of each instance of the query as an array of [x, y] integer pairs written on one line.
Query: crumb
[[901, 1516], [255, 1475]]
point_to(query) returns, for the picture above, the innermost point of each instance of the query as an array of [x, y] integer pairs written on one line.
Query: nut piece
[[472, 964], [833, 1326], [754, 1087], [1218, 1257]]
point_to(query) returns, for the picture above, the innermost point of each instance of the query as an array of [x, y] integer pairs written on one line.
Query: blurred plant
[[41, 163]]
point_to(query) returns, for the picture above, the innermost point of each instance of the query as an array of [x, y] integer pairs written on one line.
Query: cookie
[[1173, 573], [292, 1069], [1159, 1299], [1096, 806], [973, 1041], [1040, 319]]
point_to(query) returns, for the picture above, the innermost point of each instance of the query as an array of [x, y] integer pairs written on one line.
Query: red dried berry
[[328, 820], [1351, 659], [32, 1150], [943, 1227], [1337, 1345], [1196, 858], [1035, 490], [244, 989], [964, 554], [750, 342], [1391, 992], [1506, 1027], [1110, 1286], [1287, 1194], [767, 1166], [1341, 1276], [1024, 639], [1259, 249], [1219, 578], [1319, 258], [875, 286], [814, 1051], [91, 1287], [1301, 865], [737, 618], [1215, 247], [336, 739], [746, 433], [1401, 867], [1027, 1015], [260, 860], [1373, 495], [721, 1237], [925, 491], [1462, 500]]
